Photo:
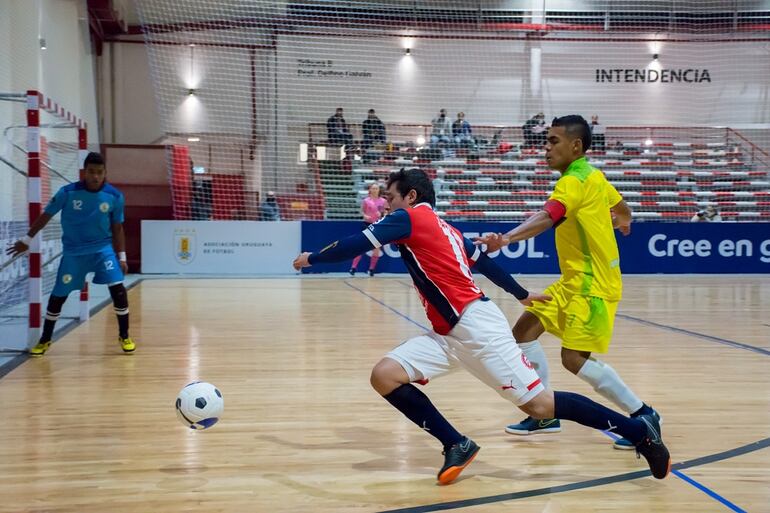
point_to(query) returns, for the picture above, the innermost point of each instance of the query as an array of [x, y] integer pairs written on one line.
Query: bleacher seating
[[668, 179]]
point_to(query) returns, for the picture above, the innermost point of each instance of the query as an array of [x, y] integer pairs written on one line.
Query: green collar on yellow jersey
[[580, 169]]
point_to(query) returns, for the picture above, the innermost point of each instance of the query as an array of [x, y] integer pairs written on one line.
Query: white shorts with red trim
[[482, 344]]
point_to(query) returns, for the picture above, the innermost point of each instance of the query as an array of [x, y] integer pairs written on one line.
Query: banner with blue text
[[667, 248]]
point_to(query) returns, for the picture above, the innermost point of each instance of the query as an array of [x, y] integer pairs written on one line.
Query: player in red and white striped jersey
[[469, 331]]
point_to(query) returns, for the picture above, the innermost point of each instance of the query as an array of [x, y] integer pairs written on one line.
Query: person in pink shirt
[[373, 208]]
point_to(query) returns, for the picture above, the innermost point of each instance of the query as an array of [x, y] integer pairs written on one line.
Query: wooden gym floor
[[89, 429]]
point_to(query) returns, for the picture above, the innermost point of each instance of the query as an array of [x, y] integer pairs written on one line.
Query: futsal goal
[[42, 148]]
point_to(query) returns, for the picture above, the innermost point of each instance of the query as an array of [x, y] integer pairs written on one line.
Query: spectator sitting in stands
[[373, 130], [534, 131], [337, 129], [269, 208], [597, 134], [709, 215], [618, 146], [461, 131], [442, 129]]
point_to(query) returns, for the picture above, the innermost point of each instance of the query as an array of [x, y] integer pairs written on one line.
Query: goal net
[[248, 93], [59, 165]]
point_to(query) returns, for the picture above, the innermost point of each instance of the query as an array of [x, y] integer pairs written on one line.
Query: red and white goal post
[[54, 143]]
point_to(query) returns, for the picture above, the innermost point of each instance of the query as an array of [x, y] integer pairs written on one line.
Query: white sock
[[536, 356], [606, 381]]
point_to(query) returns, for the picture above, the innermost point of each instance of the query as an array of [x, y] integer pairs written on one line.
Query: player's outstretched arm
[[497, 275], [337, 251], [534, 225], [393, 227], [22, 245]]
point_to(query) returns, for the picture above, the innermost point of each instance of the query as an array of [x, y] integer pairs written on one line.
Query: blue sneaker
[[530, 426], [623, 444]]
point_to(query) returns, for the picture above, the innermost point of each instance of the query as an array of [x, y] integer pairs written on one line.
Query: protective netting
[[59, 166], [248, 90]]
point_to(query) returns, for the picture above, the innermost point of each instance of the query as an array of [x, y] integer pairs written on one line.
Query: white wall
[[483, 78], [647, 5], [145, 99], [63, 72], [486, 79], [489, 78], [490, 81], [128, 105]]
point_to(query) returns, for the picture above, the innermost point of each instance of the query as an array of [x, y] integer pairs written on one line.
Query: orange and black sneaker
[[456, 458]]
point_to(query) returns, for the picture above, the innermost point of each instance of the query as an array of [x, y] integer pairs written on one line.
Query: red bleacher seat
[[668, 179]]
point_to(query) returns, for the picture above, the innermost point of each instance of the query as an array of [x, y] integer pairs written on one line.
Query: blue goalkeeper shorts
[[74, 268]]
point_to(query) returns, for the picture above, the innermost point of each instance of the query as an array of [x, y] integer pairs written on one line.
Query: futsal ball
[[199, 405]]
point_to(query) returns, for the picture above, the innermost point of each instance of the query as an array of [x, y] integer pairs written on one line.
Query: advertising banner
[[670, 248], [219, 247]]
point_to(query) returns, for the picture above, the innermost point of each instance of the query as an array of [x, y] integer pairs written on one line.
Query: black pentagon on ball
[[178, 403], [216, 391], [200, 402]]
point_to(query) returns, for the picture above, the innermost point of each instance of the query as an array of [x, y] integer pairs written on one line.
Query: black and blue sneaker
[[624, 444], [530, 426], [652, 448]]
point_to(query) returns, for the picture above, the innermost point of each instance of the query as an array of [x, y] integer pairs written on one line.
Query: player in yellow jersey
[[584, 208]]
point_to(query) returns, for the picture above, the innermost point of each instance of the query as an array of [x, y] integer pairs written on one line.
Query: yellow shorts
[[583, 323]]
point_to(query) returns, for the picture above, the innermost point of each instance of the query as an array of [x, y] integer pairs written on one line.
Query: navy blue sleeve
[[486, 266], [394, 226], [343, 249]]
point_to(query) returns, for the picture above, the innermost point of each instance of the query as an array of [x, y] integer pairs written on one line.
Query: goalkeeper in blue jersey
[[92, 233]]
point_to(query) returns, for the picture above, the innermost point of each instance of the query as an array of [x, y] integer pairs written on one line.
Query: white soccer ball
[[199, 405]]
